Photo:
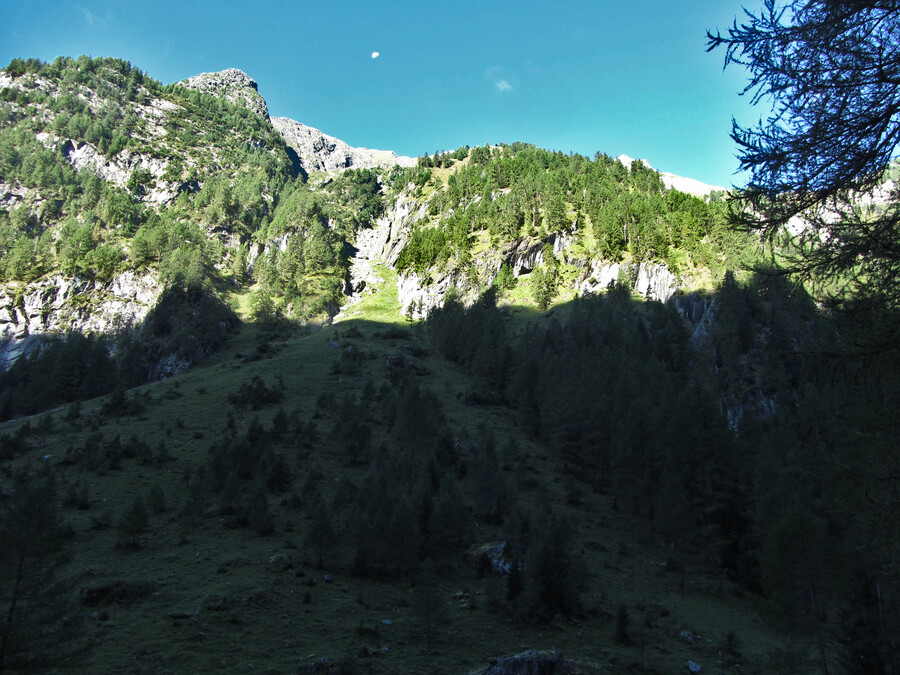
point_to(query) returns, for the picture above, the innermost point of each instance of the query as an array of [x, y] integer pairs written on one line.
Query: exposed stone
[[532, 662], [31, 314], [317, 151], [11, 195], [693, 307], [417, 299], [527, 253], [655, 282], [496, 553], [233, 85], [119, 169], [598, 277]]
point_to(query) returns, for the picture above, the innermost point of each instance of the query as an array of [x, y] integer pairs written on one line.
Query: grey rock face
[[233, 85], [411, 291], [11, 195], [58, 305], [598, 277], [526, 254], [652, 280], [117, 170], [655, 282], [317, 151]]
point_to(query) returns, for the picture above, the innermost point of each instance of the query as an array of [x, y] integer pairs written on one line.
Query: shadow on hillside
[[186, 325], [189, 325]]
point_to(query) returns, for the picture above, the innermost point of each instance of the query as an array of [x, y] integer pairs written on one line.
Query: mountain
[[148, 145], [689, 186], [500, 409], [201, 155], [319, 152], [315, 151], [234, 86]]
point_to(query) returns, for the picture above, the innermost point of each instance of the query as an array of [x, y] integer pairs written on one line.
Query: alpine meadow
[[273, 403]]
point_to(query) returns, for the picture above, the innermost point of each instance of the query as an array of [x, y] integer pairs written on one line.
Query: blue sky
[[582, 76]]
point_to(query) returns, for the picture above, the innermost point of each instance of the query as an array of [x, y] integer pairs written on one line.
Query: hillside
[[264, 472], [114, 186], [268, 402]]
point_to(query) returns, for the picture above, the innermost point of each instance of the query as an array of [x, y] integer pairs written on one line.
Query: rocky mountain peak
[[233, 85], [317, 151]]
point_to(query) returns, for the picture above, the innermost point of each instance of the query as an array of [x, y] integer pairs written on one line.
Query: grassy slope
[[218, 605]]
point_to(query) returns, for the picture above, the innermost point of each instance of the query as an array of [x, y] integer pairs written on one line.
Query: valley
[[270, 402]]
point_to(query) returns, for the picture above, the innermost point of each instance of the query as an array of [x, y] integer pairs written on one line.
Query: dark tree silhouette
[[831, 71], [40, 625]]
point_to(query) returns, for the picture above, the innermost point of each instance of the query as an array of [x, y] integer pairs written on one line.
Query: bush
[[257, 394]]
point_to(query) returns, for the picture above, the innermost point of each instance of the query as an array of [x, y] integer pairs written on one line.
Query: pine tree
[[40, 625], [551, 583]]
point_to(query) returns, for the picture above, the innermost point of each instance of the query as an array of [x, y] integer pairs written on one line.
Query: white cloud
[[92, 19], [495, 75], [89, 16], [375, 55]]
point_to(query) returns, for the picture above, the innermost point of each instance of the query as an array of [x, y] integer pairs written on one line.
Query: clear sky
[[626, 77]]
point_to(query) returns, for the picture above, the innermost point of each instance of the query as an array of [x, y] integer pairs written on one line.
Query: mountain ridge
[[172, 154], [690, 186], [315, 150]]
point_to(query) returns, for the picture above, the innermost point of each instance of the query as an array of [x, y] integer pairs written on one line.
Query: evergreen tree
[[262, 307], [40, 623], [551, 573], [829, 71], [321, 534]]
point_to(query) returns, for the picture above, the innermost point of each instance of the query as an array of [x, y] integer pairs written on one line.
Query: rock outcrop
[[525, 254], [118, 170], [654, 281], [56, 305], [233, 85], [418, 298], [317, 151], [533, 662]]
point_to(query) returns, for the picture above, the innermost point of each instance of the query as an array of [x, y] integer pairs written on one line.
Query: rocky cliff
[[317, 151], [30, 314]]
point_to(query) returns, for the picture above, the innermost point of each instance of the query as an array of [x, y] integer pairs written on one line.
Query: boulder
[[532, 662]]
